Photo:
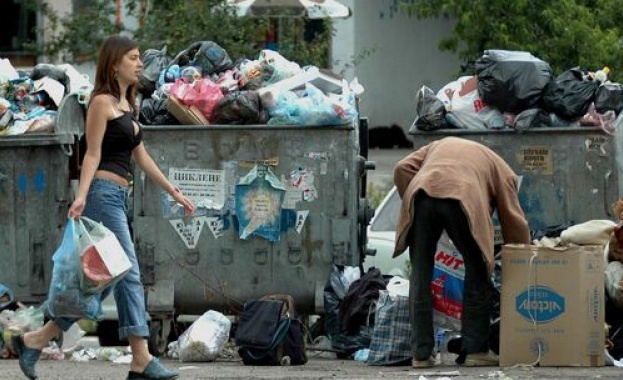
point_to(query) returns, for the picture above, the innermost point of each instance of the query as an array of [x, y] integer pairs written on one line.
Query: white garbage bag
[[205, 338]]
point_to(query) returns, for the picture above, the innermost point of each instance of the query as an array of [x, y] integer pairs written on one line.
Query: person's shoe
[[482, 359], [425, 363], [153, 371], [28, 357]]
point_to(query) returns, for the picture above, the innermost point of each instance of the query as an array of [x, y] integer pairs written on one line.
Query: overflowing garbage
[[203, 85], [29, 101], [516, 90]]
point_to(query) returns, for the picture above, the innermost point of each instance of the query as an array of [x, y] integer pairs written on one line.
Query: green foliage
[[376, 192], [565, 33], [176, 24]]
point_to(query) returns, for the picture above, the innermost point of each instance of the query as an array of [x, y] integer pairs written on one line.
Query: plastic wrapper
[[569, 96], [430, 110], [239, 107], [66, 297], [208, 56], [511, 81], [465, 109], [609, 97], [154, 112], [205, 338], [203, 94], [531, 118], [312, 108], [275, 67]]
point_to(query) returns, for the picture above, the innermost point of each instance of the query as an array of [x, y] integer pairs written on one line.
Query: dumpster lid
[[33, 139], [71, 115]]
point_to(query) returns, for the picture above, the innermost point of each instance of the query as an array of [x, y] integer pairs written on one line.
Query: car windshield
[[387, 215]]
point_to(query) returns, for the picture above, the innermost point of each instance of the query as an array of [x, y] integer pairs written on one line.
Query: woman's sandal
[[28, 357], [154, 371]]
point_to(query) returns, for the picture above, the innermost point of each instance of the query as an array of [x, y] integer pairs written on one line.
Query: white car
[[382, 235]]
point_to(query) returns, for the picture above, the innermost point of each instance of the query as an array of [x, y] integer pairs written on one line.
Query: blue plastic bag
[[67, 297]]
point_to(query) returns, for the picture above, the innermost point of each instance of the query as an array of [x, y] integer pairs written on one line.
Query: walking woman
[[113, 138]]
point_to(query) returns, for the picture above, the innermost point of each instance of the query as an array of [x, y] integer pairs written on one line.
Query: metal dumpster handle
[[68, 149]]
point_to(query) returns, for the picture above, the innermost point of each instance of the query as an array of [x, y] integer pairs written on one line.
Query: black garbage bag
[[569, 96], [609, 97], [531, 118], [239, 107], [154, 61], [511, 81], [209, 56], [154, 112], [334, 292], [431, 112]]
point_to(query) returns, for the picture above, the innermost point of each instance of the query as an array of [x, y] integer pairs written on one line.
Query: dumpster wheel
[[159, 329]]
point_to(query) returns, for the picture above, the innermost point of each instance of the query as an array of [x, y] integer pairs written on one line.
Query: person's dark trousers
[[431, 217]]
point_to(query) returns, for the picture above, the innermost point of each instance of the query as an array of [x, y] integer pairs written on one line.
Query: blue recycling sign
[[540, 304]]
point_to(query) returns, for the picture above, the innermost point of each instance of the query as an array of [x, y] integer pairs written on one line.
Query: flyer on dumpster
[[204, 187]]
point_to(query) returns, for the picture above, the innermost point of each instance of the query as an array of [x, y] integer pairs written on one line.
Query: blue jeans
[[107, 202]]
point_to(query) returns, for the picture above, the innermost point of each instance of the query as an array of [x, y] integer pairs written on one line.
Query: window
[[18, 30]]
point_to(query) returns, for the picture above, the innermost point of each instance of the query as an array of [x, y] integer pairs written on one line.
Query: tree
[[176, 24], [564, 33]]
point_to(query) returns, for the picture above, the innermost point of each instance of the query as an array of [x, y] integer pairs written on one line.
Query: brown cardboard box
[[185, 114], [552, 306]]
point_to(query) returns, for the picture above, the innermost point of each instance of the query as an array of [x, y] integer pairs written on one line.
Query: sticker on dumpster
[[189, 232], [301, 217], [216, 225], [292, 197], [204, 187], [540, 304], [302, 179], [536, 159]]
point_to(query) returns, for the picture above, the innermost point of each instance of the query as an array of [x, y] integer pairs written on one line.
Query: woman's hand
[[180, 198], [77, 208]]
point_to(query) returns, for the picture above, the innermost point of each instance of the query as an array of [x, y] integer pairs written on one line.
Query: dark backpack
[[269, 333]]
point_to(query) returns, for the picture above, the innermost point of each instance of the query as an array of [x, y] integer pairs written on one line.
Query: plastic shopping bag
[[205, 338], [66, 297], [103, 260]]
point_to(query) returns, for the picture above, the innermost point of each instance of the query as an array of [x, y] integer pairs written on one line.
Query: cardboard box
[[185, 114], [552, 306]]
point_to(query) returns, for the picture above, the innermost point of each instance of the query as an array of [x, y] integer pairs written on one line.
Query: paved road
[[385, 160], [316, 368]]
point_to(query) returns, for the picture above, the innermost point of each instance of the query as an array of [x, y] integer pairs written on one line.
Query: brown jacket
[[474, 175]]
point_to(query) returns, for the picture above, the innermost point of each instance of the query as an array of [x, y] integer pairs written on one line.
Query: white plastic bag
[[102, 257], [614, 282], [592, 232], [205, 338]]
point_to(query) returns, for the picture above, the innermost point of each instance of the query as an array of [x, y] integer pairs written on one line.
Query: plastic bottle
[[602, 75]]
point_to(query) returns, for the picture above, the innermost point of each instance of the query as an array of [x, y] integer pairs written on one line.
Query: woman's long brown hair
[[110, 54]]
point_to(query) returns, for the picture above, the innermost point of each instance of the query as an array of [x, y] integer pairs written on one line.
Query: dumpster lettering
[[598, 144], [189, 233], [204, 187], [536, 159], [3, 180], [259, 197]]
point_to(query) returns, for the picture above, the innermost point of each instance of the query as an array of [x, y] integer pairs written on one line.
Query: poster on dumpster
[[259, 197], [204, 187]]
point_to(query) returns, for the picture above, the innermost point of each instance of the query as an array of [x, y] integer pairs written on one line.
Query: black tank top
[[117, 145]]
